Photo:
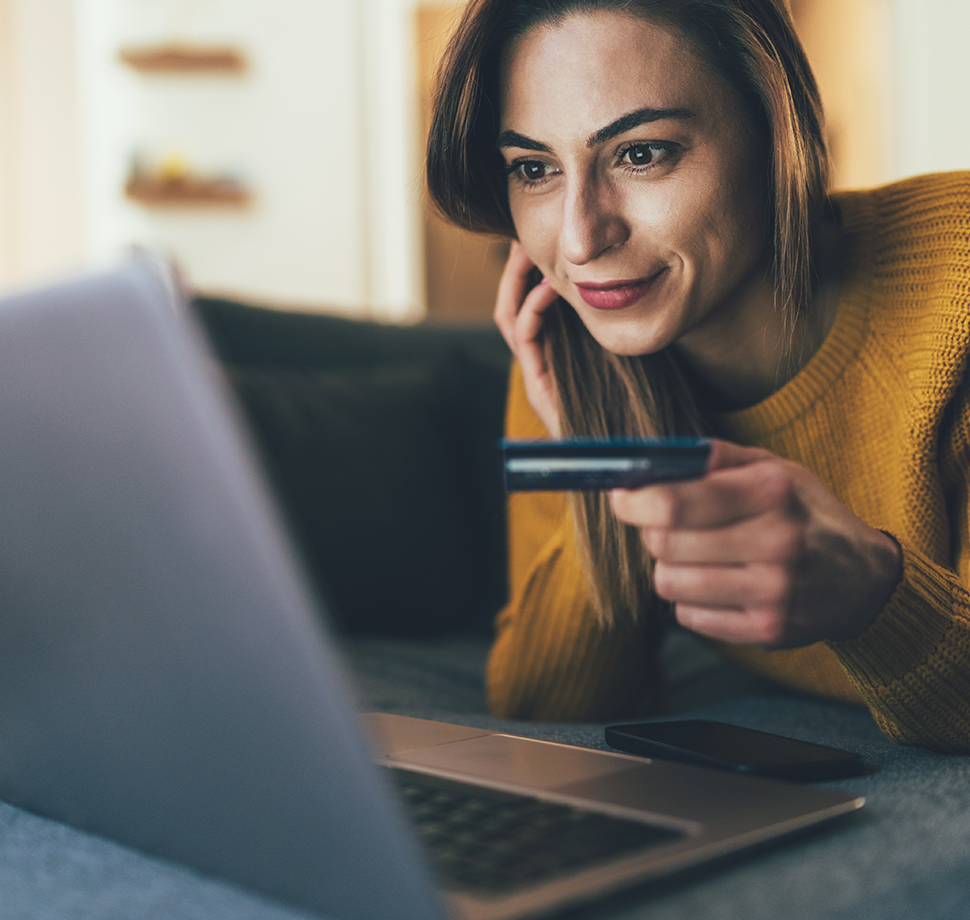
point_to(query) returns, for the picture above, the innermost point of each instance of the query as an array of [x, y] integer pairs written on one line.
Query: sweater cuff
[[910, 631]]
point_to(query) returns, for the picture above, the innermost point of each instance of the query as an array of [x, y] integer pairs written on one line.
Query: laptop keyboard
[[490, 841]]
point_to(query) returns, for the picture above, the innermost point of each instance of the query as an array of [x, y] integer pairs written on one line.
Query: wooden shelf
[[187, 192], [178, 58]]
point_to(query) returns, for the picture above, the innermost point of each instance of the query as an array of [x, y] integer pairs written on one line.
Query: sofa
[[380, 441]]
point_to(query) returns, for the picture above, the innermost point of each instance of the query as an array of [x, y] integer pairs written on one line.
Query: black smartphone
[[730, 747], [573, 464]]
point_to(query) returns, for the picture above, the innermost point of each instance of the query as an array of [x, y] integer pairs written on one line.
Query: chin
[[629, 331], [627, 338]]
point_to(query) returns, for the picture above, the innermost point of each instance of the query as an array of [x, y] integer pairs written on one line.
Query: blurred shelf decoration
[[179, 58], [174, 183]]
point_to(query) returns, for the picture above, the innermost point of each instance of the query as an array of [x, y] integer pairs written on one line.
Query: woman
[[661, 166]]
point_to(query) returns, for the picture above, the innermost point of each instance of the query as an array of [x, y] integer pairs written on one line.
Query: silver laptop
[[167, 680]]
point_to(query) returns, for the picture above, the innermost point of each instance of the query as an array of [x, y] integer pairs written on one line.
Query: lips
[[615, 295]]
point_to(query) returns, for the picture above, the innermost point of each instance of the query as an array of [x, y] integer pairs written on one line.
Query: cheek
[[682, 219], [538, 233], [723, 229], [745, 196]]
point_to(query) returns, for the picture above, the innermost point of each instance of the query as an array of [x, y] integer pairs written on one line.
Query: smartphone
[[730, 747], [582, 464]]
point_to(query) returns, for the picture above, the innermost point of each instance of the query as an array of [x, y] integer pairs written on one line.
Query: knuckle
[[657, 541], [619, 500], [768, 628], [664, 580], [774, 586], [668, 507], [776, 482], [520, 341], [786, 541]]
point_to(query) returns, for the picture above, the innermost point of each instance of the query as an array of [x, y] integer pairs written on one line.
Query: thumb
[[725, 454]]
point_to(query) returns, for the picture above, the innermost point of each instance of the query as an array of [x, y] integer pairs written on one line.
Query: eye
[[643, 154], [533, 171], [529, 172]]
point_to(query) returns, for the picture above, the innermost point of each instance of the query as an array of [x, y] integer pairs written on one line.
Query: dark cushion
[[385, 462], [247, 335]]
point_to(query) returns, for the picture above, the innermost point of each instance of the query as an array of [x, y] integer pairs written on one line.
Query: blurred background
[[274, 147]]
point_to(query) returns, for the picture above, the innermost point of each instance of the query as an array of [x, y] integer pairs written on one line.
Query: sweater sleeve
[[912, 666], [552, 659]]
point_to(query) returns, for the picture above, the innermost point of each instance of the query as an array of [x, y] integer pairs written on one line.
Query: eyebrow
[[514, 139], [634, 119], [613, 129]]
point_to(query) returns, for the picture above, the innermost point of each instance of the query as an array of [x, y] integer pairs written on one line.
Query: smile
[[615, 295]]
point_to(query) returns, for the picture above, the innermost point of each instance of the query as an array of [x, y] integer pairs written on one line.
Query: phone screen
[[718, 744]]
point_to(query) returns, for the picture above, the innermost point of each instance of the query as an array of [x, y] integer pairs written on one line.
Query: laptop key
[[490, 841]]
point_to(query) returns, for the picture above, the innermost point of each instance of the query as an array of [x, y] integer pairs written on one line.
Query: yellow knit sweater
[[881, 414]]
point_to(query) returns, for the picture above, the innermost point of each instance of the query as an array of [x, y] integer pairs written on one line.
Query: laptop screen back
[[165, 680]]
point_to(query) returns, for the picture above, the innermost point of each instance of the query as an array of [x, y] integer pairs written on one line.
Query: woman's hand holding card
[[759, 552]]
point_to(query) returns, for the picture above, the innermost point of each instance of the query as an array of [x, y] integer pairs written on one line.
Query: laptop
[[167, 679]]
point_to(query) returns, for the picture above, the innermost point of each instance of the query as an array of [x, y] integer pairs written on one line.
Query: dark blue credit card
[[583, 464]]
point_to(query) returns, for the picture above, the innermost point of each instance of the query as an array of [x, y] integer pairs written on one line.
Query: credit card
[[584, 464]]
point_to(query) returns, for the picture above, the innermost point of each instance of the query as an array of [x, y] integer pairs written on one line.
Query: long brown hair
[[753, 46]]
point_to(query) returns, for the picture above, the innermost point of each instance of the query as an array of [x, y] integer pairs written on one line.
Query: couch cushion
[[377, 472]]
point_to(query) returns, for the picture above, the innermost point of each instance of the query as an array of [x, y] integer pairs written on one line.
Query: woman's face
[[634, 181]]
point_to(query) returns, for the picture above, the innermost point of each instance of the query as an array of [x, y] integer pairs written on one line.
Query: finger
[[739, 587], [725, 454], [526, 333], [737, 627], [537, 301], [506, 303], [512, 290], [764, 538], [722, 497], [529, 352]]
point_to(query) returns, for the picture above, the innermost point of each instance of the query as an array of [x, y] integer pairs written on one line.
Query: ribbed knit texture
[[881, 414]]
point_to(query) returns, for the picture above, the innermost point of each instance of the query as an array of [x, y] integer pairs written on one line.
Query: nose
[[592, 221]]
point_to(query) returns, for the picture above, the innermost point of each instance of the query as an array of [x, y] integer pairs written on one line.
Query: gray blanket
[[905, 855]]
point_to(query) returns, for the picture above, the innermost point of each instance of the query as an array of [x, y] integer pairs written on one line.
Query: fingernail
[[544, 280]]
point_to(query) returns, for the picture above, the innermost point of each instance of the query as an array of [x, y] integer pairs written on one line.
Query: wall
[[858, 107], [931, 82], [323, 126], [40, 178], [291, 127]]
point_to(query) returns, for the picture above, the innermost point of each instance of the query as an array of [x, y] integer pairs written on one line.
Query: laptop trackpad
[[520, 761]]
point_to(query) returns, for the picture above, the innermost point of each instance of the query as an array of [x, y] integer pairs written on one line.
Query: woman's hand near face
[[518, 314], [759, 552]]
